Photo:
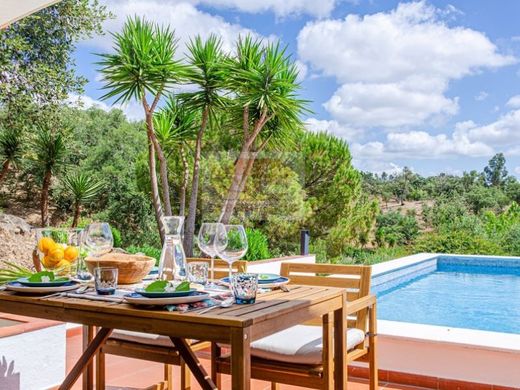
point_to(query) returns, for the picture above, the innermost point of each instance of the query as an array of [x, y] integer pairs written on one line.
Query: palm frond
[[49, 149], [206, 70], [83, 187], [142, 62], [11, 146]]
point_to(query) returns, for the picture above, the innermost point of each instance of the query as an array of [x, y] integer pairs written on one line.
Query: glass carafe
[[172, 265]]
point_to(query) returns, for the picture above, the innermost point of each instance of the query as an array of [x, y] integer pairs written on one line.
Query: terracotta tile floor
[[123, 373]]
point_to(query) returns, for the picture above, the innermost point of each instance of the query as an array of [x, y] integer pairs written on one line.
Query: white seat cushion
[[300, 344], [141, 338]]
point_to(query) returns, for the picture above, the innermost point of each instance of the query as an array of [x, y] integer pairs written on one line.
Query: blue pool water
[[457, 295]]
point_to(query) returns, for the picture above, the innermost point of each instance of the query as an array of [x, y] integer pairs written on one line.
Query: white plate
[[137, 299], [281, 282], [39, 290]]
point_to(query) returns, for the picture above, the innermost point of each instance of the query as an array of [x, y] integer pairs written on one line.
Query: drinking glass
[[244, 287], [231, 244], [98, 238], [206, 241], [105, 279], [198, 272]]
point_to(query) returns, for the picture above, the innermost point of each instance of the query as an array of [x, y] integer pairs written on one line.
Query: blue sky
[[432, 85]]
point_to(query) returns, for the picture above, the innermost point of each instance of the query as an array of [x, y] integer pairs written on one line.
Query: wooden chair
[[303, 355], [157, 348]]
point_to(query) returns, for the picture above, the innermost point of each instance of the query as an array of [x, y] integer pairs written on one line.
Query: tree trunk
[[234, 188], [163, 165], [185, 179], [243, 166], [5, 169], [77, 211], [44, 203], [189, 230], [156, 199]]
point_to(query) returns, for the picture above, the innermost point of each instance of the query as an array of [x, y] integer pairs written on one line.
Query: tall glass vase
[[172, 264]]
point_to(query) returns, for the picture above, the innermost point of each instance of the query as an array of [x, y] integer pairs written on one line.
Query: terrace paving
[[131, 374]]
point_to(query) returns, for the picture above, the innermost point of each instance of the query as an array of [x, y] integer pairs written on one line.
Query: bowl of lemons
[[58, 249]]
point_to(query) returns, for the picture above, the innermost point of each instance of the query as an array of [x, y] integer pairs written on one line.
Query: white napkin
[[118, 296]]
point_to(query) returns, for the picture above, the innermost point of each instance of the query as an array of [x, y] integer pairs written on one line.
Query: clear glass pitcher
[[172, 265]]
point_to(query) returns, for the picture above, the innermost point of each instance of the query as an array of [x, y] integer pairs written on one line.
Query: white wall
[[33, 360]]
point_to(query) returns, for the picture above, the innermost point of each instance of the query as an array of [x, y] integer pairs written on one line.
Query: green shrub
[[258, 248], [393, 228], [116, 234], [459, 242], [511, 241], [146, 250]]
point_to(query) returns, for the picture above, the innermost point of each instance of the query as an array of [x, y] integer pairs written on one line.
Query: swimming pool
[[445, 318], [463, 292]]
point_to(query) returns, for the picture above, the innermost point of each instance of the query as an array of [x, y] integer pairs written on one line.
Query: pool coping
[[489, 340]]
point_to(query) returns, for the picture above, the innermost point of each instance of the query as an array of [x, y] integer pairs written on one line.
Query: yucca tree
[[264, 81], [208, 73], [176, 127], [10, 150], [83, 189], [49, 155], [143, 69]]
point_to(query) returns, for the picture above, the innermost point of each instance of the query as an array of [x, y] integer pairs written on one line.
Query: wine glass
[[98, 238], [206, 240], [231, 244]]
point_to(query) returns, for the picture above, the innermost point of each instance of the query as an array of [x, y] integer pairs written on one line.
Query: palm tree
[[50, 157], [175, 127], [10, 150], [207, 71], [264, 80], [143, 67], [83, 189]]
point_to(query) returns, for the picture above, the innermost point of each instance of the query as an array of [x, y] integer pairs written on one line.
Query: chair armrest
[[360, 304]]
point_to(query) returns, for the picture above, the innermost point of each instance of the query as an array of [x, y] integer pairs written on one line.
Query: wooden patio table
[[237, 325]]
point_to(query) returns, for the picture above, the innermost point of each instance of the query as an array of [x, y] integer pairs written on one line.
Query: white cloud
[[514, 102], [280, 8], [422, 145], [333, 127], [132, 110], [302, 70], [378, 167], [184, 17], [86, 102], [388, 104], [482, 95], [504, 132], [419, 144], [517, 170], [397, 62]]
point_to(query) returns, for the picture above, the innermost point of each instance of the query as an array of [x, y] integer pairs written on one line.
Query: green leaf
[[38, 276], [157, 286], [184, 286]]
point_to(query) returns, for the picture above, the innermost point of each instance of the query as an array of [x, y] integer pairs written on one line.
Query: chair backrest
[[354, 278], [221, 267]]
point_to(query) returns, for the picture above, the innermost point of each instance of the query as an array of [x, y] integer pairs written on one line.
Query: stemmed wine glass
[[231, 244], [206, 240], [97, 238]]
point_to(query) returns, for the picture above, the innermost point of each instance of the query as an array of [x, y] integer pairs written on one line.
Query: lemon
[[57, 253], [46, 244], [63, 267], [71, 253], [49, 262]]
